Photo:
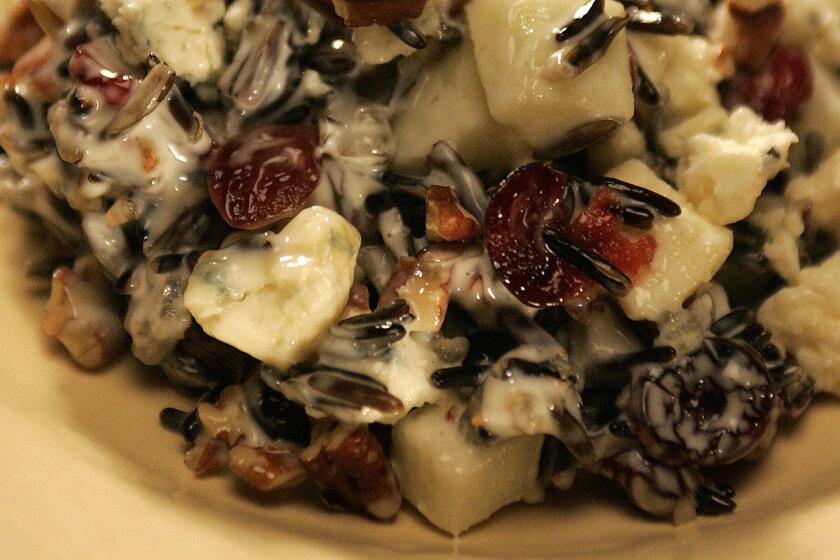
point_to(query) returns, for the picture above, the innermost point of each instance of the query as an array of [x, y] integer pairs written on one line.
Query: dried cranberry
[[778, 89], [535, 197], [90, 66], [264, 175]]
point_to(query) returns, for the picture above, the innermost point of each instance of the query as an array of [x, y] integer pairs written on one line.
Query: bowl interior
[[93, 474]]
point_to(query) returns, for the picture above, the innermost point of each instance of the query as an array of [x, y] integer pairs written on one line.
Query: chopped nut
[[424, 286], [357, 304], [756, 32], [427, 293], [349, 462], [267, 468], [18, 31], [83, 317], [206, 455], [446, 219], [230, 438], [36, 70], [148, 157], [227, 420], [400, 275], [359, 13], [751, 6]]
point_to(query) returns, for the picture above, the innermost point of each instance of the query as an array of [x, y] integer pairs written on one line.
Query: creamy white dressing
[[157, 317], [108, 243], [157, 159], [356, 146], [473, 285], [405, 369]]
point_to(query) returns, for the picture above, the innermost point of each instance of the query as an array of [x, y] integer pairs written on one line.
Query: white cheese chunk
[[821, 193], [805, 321], [689, 251], [674, 139], [275, 295], [783, 225], [448, 103], [723, 174], [186, 34], [683, 69], [514, 41], [456, 484]]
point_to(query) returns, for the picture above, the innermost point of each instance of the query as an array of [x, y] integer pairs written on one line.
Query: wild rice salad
[[457, 251]]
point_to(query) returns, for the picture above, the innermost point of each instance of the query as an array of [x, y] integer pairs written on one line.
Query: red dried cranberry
[[535, 197], [88, 67], [264, 175], [778, 89]]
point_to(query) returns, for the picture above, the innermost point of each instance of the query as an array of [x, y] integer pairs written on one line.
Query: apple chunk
[[514, 43], [448, 104], [453, 483], [689, 251]]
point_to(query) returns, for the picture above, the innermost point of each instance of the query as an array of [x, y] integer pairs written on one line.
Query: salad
[[456, 253]]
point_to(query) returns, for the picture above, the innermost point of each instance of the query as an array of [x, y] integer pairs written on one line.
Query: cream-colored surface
[[87, 473]]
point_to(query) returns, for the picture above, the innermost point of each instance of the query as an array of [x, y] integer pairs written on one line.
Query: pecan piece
[[349, 463], [229, 438], [82, 316], [756, 31], [266, 468], [207, 454], [424, 286], [358, 303], [18, 31], [399, 276], [360, 13], [446, 219]]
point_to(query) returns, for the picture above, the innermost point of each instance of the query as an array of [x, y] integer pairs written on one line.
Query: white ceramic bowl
[[87, 472]]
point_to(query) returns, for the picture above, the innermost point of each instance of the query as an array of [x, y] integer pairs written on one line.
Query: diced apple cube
[[456, 484], [448, 103], [689, 251], [513, 44]]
